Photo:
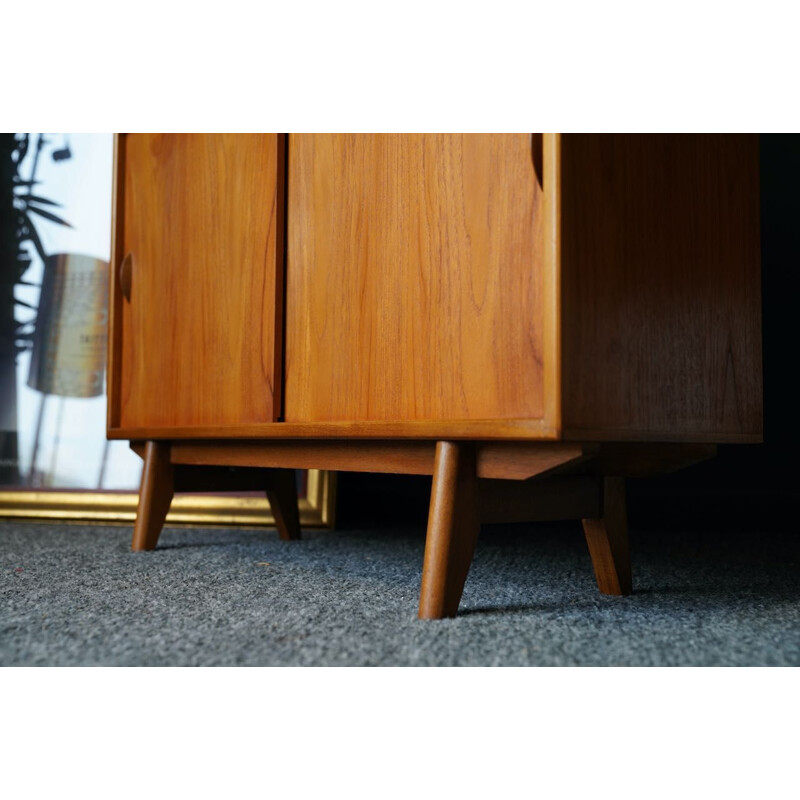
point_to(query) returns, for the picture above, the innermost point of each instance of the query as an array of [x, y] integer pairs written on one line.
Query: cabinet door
[[415, 278], [201, 218]]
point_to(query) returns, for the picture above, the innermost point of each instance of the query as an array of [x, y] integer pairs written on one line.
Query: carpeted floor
[[72, 595]]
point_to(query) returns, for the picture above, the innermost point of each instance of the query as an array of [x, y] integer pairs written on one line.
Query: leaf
[[32, 198], [47, 215], [34, 237]]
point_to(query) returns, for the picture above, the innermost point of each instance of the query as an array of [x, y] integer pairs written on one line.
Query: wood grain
[[517, 461], [498, 430], [607, 539], [489, 430], [414, 278], [453, 527], [201, 337], [492, 306], [661, 293], [155, 496], [523, 460], [511, 461], [552, 318], [410, 458]]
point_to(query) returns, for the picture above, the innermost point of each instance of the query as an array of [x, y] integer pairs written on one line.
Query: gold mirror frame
[[317, 508]]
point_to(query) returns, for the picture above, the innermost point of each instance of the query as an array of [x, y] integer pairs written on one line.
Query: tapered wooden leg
[[282, 495], [453, 525], [607, 538], [155, 496]]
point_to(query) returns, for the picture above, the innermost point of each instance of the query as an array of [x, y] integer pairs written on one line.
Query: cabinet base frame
[[473, 482]]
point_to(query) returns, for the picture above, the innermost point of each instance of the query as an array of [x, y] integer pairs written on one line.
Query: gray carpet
[[76, 595]]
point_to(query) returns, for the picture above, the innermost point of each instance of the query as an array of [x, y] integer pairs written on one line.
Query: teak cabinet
[[530, 318]]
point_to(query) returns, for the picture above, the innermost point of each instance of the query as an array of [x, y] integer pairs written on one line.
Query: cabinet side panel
[[414, 278], [661, 287], [201, 336]]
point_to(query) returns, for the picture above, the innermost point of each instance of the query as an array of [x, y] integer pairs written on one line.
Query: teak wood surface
[[199, 341], [607, 539], [544, 308], [155, 495], [583, 287], [660, 287], [415, 278], [453, 527], [506, 460]]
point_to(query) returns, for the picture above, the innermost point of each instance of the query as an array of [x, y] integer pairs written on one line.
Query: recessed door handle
[[126, 276], [537, 154]]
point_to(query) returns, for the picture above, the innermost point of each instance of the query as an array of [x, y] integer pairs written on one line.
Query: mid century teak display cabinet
[[530, 318]]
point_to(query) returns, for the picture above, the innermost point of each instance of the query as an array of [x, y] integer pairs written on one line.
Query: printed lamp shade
[[69, 344]]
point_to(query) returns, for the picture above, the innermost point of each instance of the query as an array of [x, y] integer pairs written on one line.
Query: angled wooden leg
[[453, 525], [155, 496], [607, 538], [282, 495]]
